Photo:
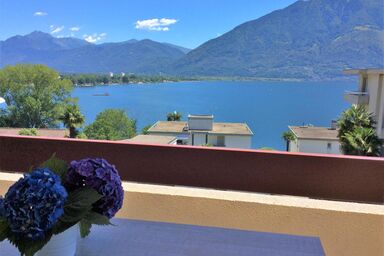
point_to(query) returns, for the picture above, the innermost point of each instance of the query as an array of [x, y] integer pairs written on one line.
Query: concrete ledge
[[344, 228]]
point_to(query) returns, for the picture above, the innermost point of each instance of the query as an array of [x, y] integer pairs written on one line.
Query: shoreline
[[288, 80]]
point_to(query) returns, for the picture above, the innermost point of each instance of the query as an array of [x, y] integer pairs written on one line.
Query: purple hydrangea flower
[[34, 203], [103, 177]]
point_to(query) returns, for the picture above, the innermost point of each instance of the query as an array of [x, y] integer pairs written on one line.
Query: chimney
[[200, 122], [334, 125]]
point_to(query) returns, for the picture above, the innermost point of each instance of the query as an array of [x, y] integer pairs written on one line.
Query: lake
[[267, 107]]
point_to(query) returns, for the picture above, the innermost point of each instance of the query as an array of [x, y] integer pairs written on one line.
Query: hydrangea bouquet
[[54, 197]]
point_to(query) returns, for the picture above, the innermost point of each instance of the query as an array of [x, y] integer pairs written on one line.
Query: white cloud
[[155, 24], [94, 38], [74, 29], [56, 29], [40, 14]]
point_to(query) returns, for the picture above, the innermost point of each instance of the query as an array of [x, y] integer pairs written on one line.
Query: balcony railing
[[358, 179], [355, 97], [344, 228]]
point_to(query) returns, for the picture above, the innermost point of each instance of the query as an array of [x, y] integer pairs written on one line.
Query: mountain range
[[310, 40]]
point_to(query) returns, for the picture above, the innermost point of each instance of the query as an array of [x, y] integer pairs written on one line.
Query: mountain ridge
[[295, 42], [73, 55], [307, 40]]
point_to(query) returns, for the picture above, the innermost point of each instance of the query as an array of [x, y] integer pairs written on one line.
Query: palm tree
[[174, 116], [288, 136], [72, 119], [357, 129], [362, 141]]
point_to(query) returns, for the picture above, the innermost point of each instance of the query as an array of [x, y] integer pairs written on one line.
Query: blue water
[[267, 107]]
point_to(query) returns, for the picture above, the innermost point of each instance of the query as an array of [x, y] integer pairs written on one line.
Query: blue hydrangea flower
[[34, 203], [101, 176]]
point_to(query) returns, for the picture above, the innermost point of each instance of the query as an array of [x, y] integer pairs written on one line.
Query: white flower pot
[[63, 244]]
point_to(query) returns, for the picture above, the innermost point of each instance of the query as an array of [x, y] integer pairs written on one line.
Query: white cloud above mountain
[[94, 38], [155, 24], [74, 29], [56, 29]]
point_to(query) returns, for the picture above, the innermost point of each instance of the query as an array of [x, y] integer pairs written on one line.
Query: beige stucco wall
[[376, 100], [319, 146], [344, 228]]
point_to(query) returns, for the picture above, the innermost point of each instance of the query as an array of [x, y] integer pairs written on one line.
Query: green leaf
[[61, 226], [56, 165], [79, 204], [29, 247], [85, 228], [97, 218], [4, 229]]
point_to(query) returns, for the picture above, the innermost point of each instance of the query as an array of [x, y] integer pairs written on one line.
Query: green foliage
[[267, 148], [97, 79], [72, 118], [357, 132], [28, 132], [97, 218], [145, 129], [4, 228], [35, 95], [81, 136], [85, 228], [362, 141], [29, 247], [111, 124], [56, 165], [79, 204], [288, 136], [174, 116], [89, 219]]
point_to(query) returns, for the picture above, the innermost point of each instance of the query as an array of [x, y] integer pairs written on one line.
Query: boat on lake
[[101, 94]]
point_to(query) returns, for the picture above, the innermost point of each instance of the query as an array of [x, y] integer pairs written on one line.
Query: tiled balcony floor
[[139, 238]]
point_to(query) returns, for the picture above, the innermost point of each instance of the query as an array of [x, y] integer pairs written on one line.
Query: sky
[[187, 23]]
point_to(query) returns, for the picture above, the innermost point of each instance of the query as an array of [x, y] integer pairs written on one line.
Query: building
[[44, 132], [201, 130], [312, 139], [370, 92], [153, 139]]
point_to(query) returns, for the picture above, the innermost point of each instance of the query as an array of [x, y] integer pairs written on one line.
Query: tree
[[267, 148], [357, 132], [72, 119], [174, 116], [35, 96], [145, 129], [111, 124], [288, 136], [362, 141], [28, 132]]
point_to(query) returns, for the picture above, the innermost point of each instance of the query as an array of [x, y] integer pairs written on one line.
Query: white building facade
[[370, 92], [200, 130], [308, 139]]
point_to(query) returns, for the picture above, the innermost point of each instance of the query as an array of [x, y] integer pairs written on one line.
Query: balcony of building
[[337, 199], [356, 97]]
